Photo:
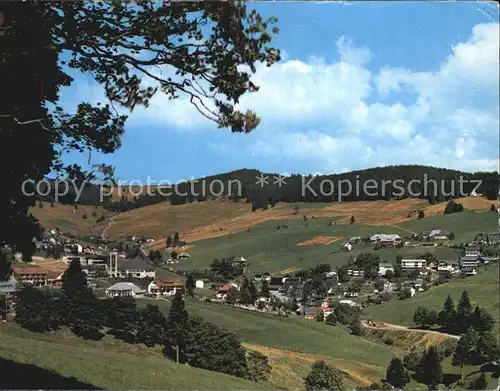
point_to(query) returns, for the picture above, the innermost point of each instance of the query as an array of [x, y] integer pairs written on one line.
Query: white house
[[200, 284], [135, 268], [183, 256], [413, 263], [347, 246], [438, 234], [121, 289], [447, 266], [383, 268], [472, 251], [386, 239]]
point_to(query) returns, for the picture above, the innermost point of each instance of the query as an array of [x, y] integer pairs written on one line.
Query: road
[[388, 326]]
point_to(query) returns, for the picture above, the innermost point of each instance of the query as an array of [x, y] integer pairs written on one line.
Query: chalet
[[413, 264], [468, 270], [135, 268], [469, 261], [307, 312], [224, 290], [447, 266], [355, 240], [437, 234], [383, 268], [355, 272], [416, 283], [472, 251], [54, 279], [95, 271], [183, 256], [10, 286], [31, 275], [122, 289], [386, 240], [166, 286]]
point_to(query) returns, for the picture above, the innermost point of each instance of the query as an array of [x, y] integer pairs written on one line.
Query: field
[[162, 219], [62, 361], [62, 217], [483, 291], [269, 249], [297, 342]]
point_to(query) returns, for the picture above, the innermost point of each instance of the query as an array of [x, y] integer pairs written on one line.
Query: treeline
[[185, 339], [241, 184], [455, 320]]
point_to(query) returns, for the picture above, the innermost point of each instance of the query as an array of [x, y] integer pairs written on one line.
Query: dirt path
[[389, 326], [111, 222]]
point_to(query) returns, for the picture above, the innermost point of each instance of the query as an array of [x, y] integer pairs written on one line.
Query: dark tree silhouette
[[206, 44]]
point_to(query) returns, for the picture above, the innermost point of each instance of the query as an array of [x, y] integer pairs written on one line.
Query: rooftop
[[125, 286], [29, 270], [136, 263]]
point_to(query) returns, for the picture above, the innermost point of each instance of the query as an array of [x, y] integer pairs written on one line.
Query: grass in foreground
[[108, 364], [292, 333]]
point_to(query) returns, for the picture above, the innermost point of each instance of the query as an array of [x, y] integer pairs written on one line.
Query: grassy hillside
[[364, 360], [162, 219], [62, 217], [62, 361], [277, 250], [483, 290]]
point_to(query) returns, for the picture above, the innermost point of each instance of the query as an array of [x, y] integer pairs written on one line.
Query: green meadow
[[272, 250]]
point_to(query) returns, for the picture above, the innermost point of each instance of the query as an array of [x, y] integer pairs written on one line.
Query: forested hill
[[371, 184]]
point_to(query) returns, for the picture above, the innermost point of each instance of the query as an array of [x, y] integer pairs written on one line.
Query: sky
[[359, 85]]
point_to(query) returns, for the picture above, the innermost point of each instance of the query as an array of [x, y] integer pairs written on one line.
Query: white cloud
[[331, 115]]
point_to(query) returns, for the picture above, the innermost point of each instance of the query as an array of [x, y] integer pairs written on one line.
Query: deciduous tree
[[324, 377]]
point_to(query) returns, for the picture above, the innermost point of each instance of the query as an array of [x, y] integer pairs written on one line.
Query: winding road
[[111, 221], [389, 326]]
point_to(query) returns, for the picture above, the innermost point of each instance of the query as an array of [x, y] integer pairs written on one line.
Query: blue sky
[[360, 85]]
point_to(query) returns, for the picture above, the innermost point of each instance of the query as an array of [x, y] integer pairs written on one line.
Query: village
[[125, 269]]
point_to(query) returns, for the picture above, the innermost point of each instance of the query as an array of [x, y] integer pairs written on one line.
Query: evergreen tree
[[176, 238], [245, 293], [324, 377], [487, 347], [265, 289], [465, 350], [429, 369], [177, 323], [481, 320], [320, 317], [190, 285], [173, 254], [352, 219], [5, 266], [211, 347], [447, 316], [254, 293], [421, 214], [169, 242], [464, 313], [36, 309], [151, 326], [122, 318], [396, 374], [74, 281], [480, 383]]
